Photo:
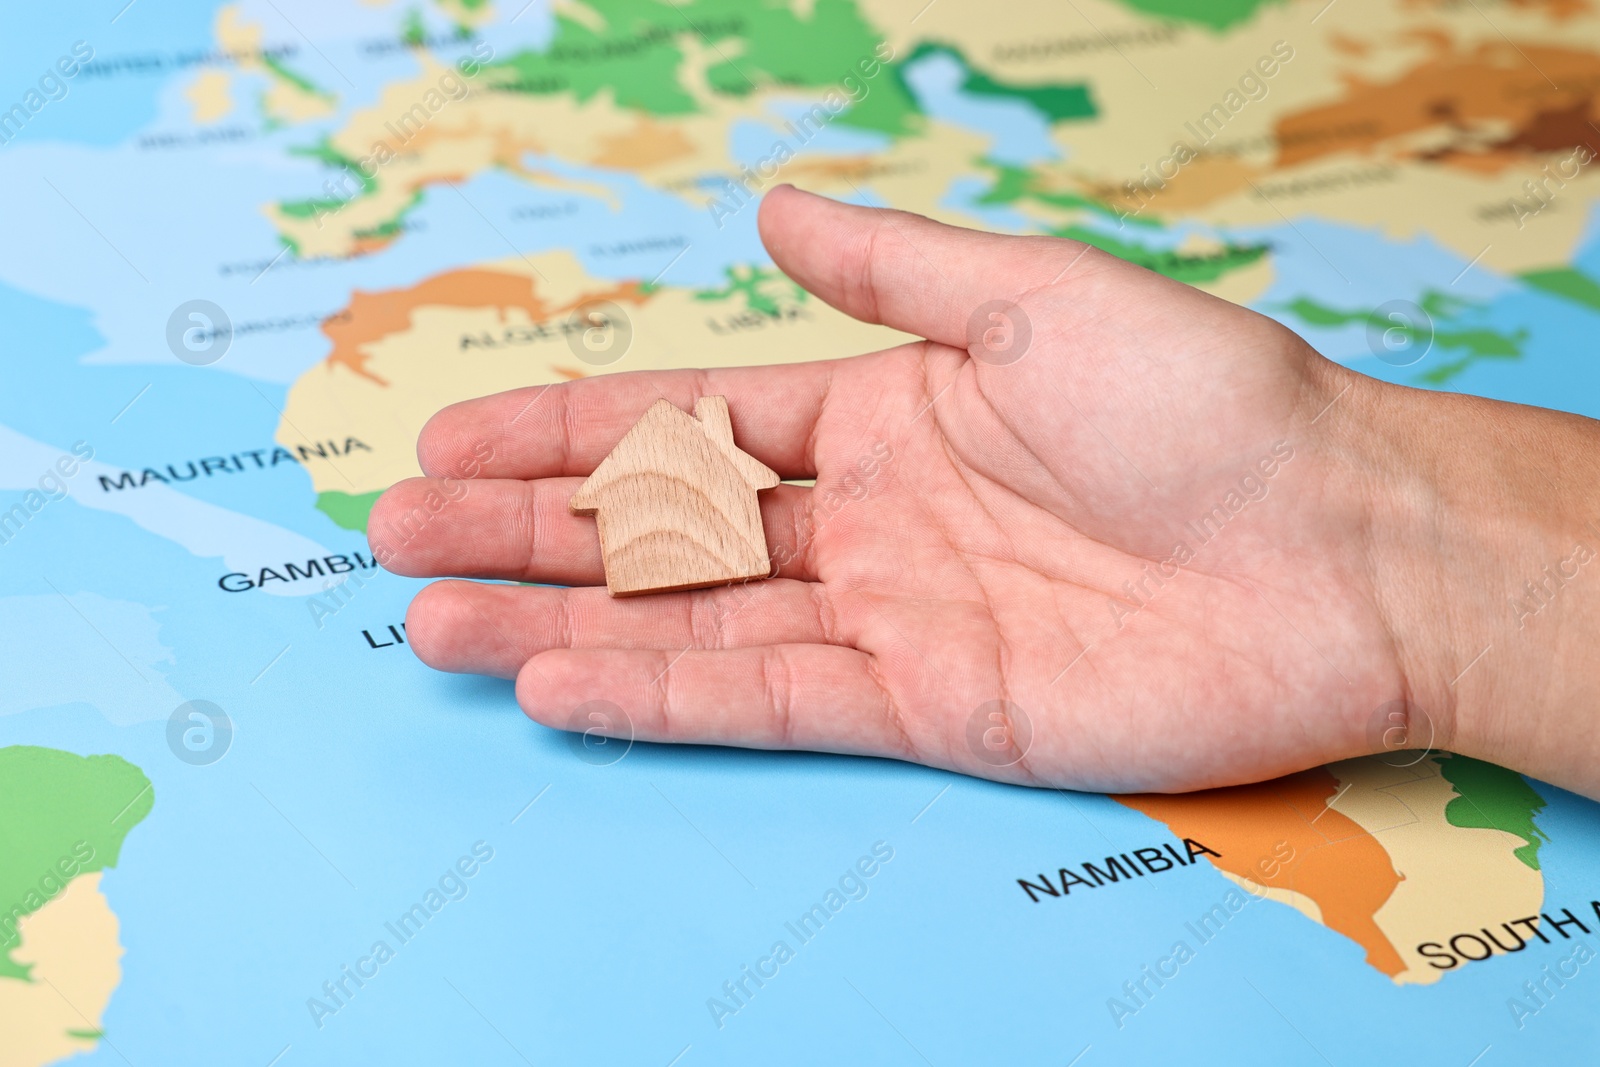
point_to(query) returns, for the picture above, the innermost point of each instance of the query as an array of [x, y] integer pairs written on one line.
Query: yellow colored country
[[400, 355], [71, 946]]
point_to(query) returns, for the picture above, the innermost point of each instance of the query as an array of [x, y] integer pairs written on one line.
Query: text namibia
[[1119, 868]]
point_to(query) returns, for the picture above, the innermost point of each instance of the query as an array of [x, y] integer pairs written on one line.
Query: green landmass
[[1475, 343], [1567, 283], [1015, 185], [1212, 14], [1058, 102], [299, 81], [310, 209], [317, 206], [325, 153], [349, 510], [1481, 344], [328, 155], [756, 285], [54, 807], [412, 31], [780, 47], [1493, 798], [391, 227], [636, 56], [1193, 268], [887, 106]]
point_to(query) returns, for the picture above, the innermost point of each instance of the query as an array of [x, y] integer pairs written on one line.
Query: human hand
[[1168, 544]]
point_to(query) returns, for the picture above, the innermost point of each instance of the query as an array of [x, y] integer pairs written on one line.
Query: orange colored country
[[371, 317], [1334, 861]]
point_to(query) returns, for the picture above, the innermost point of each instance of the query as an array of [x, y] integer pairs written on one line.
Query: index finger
[[565, 429]]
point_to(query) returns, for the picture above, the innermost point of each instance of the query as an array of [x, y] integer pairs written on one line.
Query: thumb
[[910, 273]]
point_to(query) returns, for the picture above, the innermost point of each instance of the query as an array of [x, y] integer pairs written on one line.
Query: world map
[[253, 246]]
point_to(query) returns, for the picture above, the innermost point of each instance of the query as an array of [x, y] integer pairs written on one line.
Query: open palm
[[1097, 531]]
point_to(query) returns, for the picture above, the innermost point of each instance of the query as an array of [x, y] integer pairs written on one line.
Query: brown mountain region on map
[[1334, 863], [1482, 109], [1559, 10]]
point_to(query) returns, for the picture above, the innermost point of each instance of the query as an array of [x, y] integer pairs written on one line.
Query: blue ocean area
[[1021, 133], [1356, 271]]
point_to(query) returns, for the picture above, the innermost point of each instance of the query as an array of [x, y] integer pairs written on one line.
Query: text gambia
[[327, 566]]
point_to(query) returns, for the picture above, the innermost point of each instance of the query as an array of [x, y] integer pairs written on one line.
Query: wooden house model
[[676, 503]]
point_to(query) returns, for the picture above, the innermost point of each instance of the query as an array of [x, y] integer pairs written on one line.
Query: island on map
[[63, 819]]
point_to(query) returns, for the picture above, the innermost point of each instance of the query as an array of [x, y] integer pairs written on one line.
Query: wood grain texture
[[676, 503]]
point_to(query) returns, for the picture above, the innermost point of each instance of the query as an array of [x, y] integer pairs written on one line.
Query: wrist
[[1484, 540]]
